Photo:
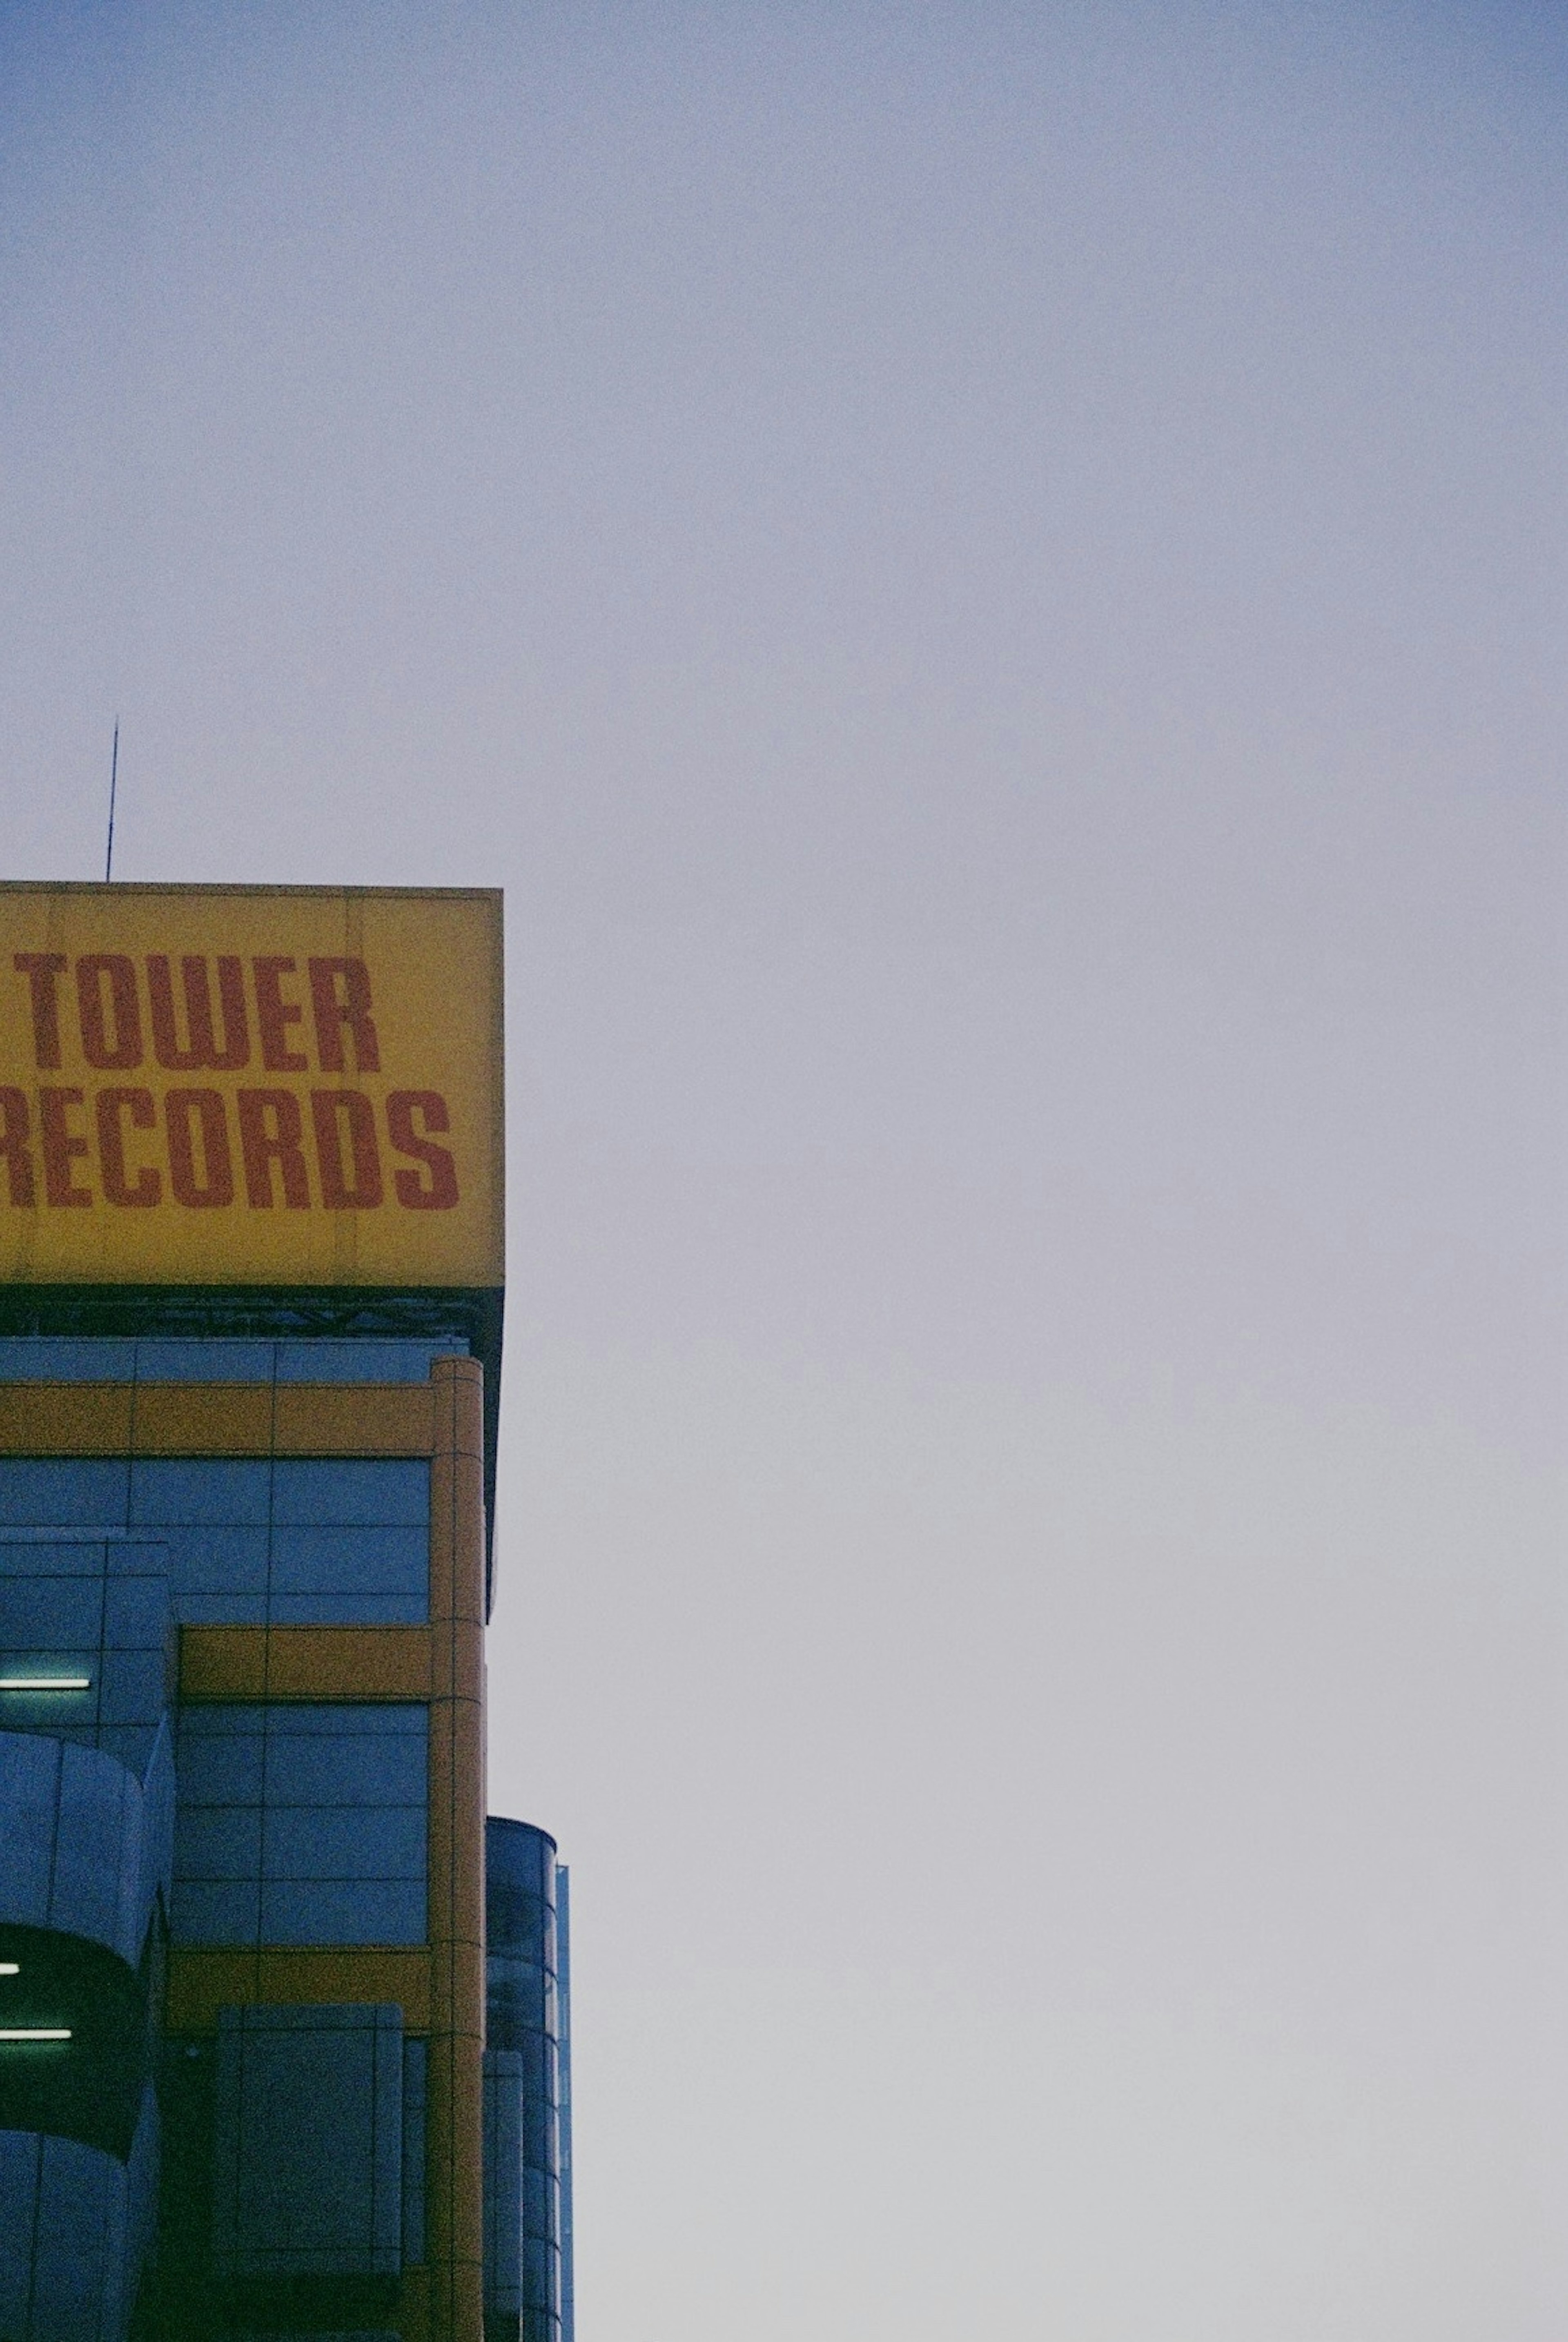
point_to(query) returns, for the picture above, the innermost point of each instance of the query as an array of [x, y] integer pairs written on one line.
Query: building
[[527, 2082], [251, 1280]]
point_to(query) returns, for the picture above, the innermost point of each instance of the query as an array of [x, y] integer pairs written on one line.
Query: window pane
[[136, 1613], [222, 1717], [210, 1561], [206, 1913], [57, 1492], [331, 1911], [348, 1611], [350, 1560], [220, 1609], [136, 1686], [344, 1842], [63, 1715], [413, 2122], [219, 1771], [337, 1489], [348, 1718], [34, 1554], [385, 1770], [206, 1489], [231, 1361], [66, 1358], [217, 1842], [362, 1362], [43, 1613]]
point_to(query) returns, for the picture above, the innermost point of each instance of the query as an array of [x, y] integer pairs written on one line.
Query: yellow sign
[[250, 1086]]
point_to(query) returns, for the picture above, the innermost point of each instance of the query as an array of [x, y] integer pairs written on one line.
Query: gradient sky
[[990, 581]]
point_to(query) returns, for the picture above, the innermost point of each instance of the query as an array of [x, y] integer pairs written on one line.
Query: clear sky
[[990, 581]]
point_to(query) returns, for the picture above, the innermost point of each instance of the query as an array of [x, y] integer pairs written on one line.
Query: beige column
[[455, 2165]]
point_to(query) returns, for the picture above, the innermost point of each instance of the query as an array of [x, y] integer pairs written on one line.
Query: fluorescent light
[[46, 1683], [35, 2033], [9, 1967]]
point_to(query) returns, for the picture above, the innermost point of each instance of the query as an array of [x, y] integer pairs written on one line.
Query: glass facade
[[86, 1651], [301, 1823], [280, 1541], [282, 1826], [523, 2030], [564, 2069], [97, 1359]]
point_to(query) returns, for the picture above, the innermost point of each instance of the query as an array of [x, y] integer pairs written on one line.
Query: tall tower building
[[251, 1279]]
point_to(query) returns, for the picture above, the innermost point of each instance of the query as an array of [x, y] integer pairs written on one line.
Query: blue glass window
[[218, 1842], [346, 1491], [342, 1911], [216, 1913], [66, 1358], [166, 1361], [92, 1358], [350, 1541], [318, 1810], [362, 1560], [298, 1542], [363, 1362], [414, 2089], [344, 1842], [218, 1768], [64, 1492], [206, 1489], [95, 1610], [51, 1613], [346, 1770]]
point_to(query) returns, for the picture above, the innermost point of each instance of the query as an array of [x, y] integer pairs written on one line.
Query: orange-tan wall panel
[[305, 1662], [202, 1982], [214, 1419]]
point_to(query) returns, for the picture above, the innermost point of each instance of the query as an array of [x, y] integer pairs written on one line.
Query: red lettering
[[274, 1015], [329, 1109], [431, 1107], [61, 1144], [333, 1013], [207, 1106], [262, 1146], [203, 1052], [126, 1049], [111, 1105], [41, 969], [14, 1120]]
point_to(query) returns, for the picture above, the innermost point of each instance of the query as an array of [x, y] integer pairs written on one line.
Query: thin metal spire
[[114, 779]]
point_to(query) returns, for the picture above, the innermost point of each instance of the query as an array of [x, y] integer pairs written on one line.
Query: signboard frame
[[320, 1104]]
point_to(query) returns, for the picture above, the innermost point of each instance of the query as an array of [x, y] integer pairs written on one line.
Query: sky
[[989, 581]]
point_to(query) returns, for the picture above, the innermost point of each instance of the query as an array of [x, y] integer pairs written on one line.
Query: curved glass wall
[[523, 2175]]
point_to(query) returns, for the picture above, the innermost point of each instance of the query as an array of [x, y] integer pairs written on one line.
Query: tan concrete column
[[456, 2163]]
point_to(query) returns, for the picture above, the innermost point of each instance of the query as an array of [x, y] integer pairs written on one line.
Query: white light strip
[[9, 1967], [46, 1683], [35, 2033]]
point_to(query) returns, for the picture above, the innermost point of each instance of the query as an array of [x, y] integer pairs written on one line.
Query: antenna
[[114, 778]]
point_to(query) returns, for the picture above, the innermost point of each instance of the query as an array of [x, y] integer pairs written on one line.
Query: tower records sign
[[250, 1086]]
